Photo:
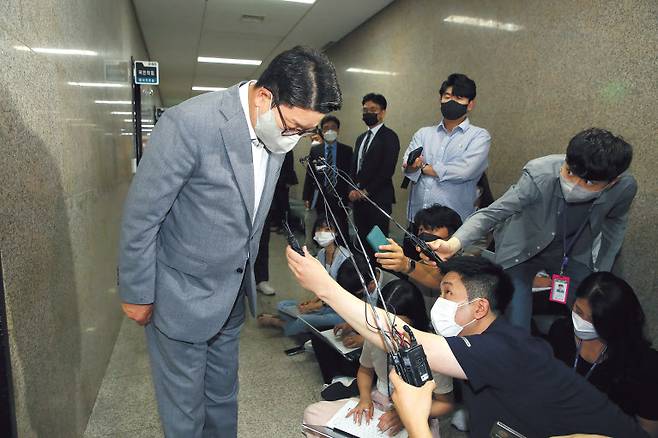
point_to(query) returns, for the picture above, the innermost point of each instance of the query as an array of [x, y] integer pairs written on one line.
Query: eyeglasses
[[288, 132]]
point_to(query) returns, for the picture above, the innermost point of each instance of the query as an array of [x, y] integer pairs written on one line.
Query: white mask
[[315, 142], [583, 329], [574, 193], [330, 136], [443, 317], [269, 134], [324, 238]]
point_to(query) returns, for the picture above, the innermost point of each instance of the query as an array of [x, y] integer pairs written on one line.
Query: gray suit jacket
[[187, 238], [525, 218]]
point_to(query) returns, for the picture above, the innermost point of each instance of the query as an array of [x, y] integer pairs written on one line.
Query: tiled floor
[[274, 389]]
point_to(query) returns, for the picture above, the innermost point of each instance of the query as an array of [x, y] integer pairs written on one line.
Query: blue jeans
[[322, 318], [519, 311]]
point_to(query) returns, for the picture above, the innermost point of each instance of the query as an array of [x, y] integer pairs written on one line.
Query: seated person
[[604, 342], [413, 405], [406, 301], [338, 372], [314, 310], [437, 220], [506, 375]]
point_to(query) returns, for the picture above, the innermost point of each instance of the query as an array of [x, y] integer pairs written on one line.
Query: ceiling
[[179, 31]]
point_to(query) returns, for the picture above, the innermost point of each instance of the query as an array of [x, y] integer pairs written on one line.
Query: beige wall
[[64, 169], [573, 65]]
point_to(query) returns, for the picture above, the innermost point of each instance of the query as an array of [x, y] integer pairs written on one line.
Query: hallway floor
[[274, 388]]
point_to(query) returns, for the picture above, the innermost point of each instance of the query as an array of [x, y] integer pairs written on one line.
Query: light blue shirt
[[340, 255], [459, 158]]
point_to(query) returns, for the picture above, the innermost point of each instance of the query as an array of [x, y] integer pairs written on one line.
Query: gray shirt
[[525, 223]]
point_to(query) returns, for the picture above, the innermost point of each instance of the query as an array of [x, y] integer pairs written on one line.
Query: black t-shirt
[[515, 379], [634, 388]]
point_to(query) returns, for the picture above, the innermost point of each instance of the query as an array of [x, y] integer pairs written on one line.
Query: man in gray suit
[[191, 227], [566, 214]]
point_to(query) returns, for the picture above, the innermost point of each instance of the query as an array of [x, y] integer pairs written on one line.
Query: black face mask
[[370, 119], [452, 110]]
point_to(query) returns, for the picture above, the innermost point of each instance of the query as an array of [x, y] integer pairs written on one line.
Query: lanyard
[[568, 246], [596, 362]]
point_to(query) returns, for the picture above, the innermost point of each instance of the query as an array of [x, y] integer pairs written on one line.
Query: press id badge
[[559, 289]]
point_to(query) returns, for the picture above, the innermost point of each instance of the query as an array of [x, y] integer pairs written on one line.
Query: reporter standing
[[375, 157]]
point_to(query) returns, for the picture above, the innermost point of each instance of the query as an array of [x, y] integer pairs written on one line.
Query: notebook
[[340, 423], [329, 337]]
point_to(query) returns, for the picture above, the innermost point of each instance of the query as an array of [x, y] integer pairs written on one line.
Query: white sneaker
[[265, 288], [460, 420], [346, 381]]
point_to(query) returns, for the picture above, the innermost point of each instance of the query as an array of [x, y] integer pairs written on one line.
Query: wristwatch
[[412, 266]]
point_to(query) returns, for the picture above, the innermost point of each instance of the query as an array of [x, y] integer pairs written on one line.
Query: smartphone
[[292, 240], [413, 155], [376, 238], [501, 430], [294, 350], [427, 237]]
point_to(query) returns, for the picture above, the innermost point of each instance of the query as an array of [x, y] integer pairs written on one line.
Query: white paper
[[365, 430]]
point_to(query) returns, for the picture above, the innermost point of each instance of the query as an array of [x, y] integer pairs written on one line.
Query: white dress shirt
[[258, 151]]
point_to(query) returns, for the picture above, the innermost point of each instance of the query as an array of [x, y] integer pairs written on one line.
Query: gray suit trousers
[[196, 384]]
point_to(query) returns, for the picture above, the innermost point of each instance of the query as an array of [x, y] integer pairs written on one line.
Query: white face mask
[[269, 133], [324, 238], [583, 329], [330, 136], [315, 142], [443, 317], [574, 193]]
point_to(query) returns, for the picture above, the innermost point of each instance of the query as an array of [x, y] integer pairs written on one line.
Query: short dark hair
[[598, 155], [322, 222], [375, 98], [404, 298], [438, 216], [482, 279], [329, 118], [616, 314], [348, 277], [305, 78], [462, 86]]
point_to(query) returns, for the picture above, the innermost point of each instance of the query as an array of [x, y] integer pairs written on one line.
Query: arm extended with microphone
[[321, 165], [407, 356]]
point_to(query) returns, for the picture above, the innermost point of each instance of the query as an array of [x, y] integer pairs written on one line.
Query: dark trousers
[[261, 265], [280, 205], [331, 363], [366, 216], [520, 310]]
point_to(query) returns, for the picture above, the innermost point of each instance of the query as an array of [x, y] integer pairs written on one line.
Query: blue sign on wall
[[146, 73]]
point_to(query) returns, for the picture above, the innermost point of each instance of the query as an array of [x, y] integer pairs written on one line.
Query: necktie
[[364, 149], [330, 164]]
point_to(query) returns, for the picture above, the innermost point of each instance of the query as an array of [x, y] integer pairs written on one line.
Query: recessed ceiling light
[[195, 88], [122, 113], [212, 60], [113, 102], [57, 51], [252, 18], [308, 2], [371, 72], [98, 84], [481, 22]]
